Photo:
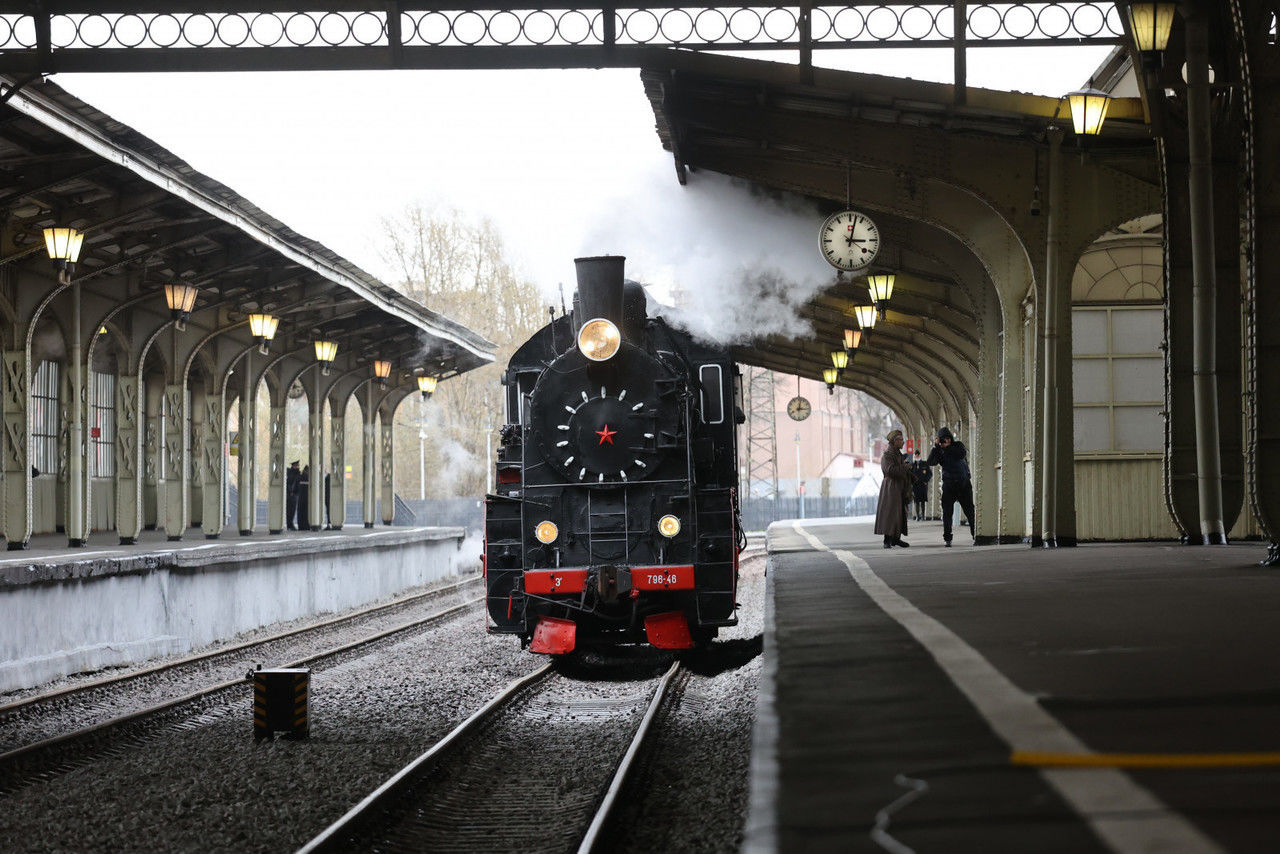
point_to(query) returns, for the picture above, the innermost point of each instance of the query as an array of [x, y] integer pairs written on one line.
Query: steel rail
[[333, 838], [74, 690], [65, 739], [606, 808]]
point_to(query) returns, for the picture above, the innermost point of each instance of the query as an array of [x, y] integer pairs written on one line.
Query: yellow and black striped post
[[280, 702]]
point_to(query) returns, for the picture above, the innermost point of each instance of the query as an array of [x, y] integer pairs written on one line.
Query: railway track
[[108, 733], [539, 767]]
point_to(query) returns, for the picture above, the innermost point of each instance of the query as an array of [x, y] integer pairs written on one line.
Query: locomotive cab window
[[712, 379]]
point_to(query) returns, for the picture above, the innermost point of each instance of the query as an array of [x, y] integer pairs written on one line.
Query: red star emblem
[[606, 435]]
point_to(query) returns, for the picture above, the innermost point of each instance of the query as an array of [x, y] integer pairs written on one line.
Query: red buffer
[[669, 630], [554, 636]]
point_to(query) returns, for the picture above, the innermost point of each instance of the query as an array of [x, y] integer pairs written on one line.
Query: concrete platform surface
[[1101, 698]]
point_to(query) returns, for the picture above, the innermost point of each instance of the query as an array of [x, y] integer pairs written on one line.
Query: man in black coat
[[291, 477], [956, 483]]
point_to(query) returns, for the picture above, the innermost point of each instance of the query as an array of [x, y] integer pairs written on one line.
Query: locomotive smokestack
[[599, 289]]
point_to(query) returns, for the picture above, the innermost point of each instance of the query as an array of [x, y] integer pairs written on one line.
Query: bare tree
[[459, 268]]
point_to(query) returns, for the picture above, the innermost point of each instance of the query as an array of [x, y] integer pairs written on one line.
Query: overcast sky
[[564, 162]]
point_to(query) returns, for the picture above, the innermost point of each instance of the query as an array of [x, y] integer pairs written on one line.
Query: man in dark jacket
[[291, 476], [956, 484], [921, 474]]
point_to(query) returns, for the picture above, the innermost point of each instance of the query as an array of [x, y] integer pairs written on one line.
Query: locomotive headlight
[[546, 532], [668, 526], [599, 339]]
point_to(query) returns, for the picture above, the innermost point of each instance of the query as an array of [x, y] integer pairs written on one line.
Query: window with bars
[[44, 417], [102, 424], [1118, 379]]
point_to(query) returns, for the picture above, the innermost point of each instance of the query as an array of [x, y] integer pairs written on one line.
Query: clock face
[[798, 408], [849, 241]]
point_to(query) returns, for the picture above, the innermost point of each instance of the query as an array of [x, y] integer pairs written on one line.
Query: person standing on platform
[[304, 499], [895, 492], [921, 474], [328, 520], [956, 482], [291, 477]]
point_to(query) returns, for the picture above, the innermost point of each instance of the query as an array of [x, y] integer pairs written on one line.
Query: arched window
[[44, 417], [102, 424]]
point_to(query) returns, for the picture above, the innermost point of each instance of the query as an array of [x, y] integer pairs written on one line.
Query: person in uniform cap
[[291, 477], [895, 492]]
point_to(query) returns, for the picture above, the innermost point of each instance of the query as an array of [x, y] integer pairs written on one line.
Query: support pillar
[[1203, 309], [76, 481], [388, 469], [1057, 403], [275, 468], [245, 487], [315, 453], [337, 468], [17, 463], [213, 467], [176, 462], [128, 450], [369, 459]]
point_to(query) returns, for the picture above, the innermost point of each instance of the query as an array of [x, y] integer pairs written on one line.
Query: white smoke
[[741, 262]]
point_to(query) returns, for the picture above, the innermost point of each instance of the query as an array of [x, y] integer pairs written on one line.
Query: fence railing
[[759, 513]]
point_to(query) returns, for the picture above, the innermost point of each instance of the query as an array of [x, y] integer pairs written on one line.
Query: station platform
[[65, 611], [1002, 699]]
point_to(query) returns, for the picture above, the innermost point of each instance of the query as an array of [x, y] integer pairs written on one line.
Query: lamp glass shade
[[881, 285], [427, 385], [326, 351], [63, 244], [1150, 24], [866, 315], [830, 375], [263, 326], [852, 338], [381, 368], [180, 298], [1088, 110], [840, 359]]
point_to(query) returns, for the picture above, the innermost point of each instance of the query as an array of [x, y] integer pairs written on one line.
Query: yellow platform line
[[1143, 760]]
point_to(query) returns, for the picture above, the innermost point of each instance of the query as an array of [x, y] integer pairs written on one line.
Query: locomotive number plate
[[662, 577]]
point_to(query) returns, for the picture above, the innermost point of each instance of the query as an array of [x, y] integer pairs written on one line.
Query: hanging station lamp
[[840, 359], [381, 370], [830, 376], [263, 329], [866, 315], [1150, 23], [881, 287], [1088, 110], [426, 385], [63, 246], [181, 299], [852, 338], [326, 352]]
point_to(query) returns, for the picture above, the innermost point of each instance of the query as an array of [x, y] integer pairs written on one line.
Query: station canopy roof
[[765, 123], [151, 218]]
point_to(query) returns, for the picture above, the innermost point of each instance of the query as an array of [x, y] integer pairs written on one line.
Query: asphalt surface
[[1162, 651]]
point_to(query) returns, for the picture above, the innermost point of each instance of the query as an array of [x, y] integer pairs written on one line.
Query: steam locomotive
[[615, 513]]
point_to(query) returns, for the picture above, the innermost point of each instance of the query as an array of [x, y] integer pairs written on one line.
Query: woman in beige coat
[[895, 491]]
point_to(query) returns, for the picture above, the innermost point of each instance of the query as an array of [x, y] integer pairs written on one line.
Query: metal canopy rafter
[[233, 35]]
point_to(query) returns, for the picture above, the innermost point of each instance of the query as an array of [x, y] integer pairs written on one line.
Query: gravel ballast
[[205, 785]]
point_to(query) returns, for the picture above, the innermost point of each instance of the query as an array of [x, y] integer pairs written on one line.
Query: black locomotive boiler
[[615, 513]]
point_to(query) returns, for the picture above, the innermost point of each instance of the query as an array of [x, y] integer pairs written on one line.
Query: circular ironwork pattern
[[675, 26]]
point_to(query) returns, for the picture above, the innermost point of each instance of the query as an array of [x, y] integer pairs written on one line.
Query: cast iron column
[[1204, 314], [1049, 451]]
